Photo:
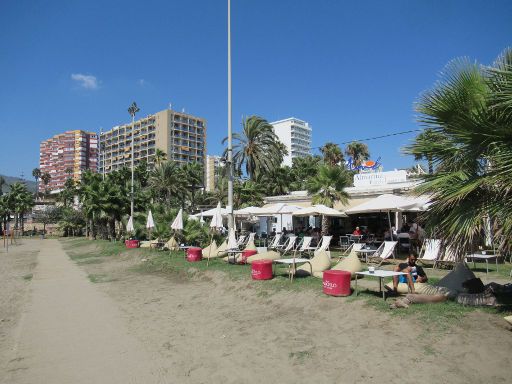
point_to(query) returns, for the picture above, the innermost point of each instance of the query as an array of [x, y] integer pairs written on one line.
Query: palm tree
[[332, 154], [303, 168], [258, 147], [426, 141], [46, 177], [470, 108], [2, 183], [166, 182], [247, 193], [358, 151], [276, 182], [327, 187], [160, 157], [22, 201], [193, 174], [36, 172]]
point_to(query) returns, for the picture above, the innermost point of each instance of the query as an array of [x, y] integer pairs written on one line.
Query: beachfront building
[[66, 155], [366, 186], [180, 135], [213, 165], [295, 134]]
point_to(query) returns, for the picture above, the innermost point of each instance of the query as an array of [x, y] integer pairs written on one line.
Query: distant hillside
[[31, 184]]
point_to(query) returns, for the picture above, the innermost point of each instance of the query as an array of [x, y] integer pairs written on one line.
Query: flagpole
[[230, 144]]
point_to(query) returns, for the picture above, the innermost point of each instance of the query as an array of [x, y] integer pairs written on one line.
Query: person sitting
[[415, 273], [357, 232]]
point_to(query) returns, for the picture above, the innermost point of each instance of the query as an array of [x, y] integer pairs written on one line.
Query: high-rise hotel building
[[295, 134], [181, 136], [68, 154]]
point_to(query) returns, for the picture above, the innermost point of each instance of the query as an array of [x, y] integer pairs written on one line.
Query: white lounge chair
[[275, 242], [385, 251], [324, 243], [289, 245], [429, 253], [305, 245], [448, 258], [344, 243], [242, 240], [352, 250]]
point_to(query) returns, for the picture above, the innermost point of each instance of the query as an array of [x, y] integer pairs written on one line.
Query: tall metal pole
[[231, 222], [132, 111]]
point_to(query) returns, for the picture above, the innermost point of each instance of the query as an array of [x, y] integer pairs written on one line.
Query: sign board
[[379, 178]]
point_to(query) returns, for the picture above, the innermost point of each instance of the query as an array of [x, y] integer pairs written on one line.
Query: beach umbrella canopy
[[177, 224], [210, 213], [232, 239], [150, 223], [319, 210], [278, 209], [129, 226], [249, 211], [217, 218]]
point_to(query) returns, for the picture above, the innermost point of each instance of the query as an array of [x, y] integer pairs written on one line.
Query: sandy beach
[[59, 327]]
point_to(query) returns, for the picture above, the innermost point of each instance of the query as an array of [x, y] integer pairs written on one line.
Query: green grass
[[28, 277], [435, 317], [100, 278]]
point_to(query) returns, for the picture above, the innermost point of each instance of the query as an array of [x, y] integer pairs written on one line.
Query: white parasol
[[129, 226], [177, 224]]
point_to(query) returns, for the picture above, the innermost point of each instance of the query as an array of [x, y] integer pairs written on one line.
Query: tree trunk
[[325, 225]]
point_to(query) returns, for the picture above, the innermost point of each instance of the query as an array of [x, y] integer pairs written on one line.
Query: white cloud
[[85, 81]]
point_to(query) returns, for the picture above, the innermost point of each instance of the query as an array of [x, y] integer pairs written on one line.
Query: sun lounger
[[429, 253], [384, 252], [305, 245], [275, 242], [352, 250], [289, 245], [448, 257]]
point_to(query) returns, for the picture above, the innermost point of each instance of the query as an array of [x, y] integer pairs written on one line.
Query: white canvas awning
[[319, 210], [389, 203]]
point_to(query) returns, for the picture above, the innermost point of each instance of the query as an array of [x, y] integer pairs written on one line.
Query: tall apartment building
[[295, 134], [181, 136], [213, 164], [68, 154]]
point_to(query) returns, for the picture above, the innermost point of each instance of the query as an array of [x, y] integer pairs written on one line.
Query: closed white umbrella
[[177, 224], [149, 222], [215, 224], [232, 240], [217, 218], [129, 226]]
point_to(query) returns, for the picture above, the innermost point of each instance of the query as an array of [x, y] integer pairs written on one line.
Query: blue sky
[[352, 69]]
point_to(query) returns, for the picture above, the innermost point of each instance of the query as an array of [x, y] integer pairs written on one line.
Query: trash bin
[[261, 270], [336, 283]]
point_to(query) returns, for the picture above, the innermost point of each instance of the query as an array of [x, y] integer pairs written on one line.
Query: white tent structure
[[391, 203]]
